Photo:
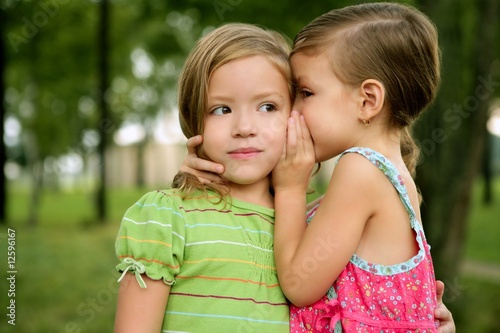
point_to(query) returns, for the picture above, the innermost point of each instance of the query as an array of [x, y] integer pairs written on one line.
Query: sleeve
[[151, 238]]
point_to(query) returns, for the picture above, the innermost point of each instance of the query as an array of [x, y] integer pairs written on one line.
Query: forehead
[[303, 63], [249, 74]]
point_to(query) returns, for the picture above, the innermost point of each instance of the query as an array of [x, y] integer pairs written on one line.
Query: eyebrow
[[301, 78], [260, 96], [269, 95]]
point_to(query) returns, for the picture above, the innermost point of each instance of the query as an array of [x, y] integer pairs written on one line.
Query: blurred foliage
[[52, 94], [66, 280]]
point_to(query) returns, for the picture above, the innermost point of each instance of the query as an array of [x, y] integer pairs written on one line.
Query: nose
[[244, 124]]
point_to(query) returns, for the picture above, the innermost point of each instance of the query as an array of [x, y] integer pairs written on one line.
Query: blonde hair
[[229, 42], [393, 43]]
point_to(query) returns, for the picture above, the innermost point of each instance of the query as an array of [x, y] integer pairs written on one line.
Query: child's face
[[245, 121], [329, 106]]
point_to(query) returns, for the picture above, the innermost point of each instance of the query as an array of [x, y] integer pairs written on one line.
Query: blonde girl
[[198, 258]]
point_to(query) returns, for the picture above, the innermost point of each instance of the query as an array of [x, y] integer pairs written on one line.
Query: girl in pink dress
[[363, 74]]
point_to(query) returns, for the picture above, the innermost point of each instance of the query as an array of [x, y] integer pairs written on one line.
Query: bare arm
[[141, 309], [310, 259], [290, 179], [206, 171], [313, 203]]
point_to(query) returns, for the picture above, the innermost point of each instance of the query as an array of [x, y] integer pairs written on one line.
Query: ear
[[373, 96]]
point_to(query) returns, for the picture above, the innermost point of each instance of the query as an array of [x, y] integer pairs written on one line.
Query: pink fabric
[[374, 298], [402, 302], [369, 302], [316, 318]]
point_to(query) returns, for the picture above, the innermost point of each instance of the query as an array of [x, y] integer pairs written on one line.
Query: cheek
[[274, 133], [212, 144]]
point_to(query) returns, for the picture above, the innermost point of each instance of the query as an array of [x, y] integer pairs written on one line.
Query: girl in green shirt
[[199, 257]]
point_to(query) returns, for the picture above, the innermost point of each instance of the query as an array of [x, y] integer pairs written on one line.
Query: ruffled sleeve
[[151, 238]]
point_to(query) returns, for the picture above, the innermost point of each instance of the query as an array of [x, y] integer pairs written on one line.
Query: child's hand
[[293, 171], [206, 171], [447, 325]]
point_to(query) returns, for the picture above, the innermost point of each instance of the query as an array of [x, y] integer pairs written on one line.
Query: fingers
[[297, 159], [306, 135], [206, 171], [205, 177], [299, 142], [291, 147], [307, 142], [439, 291], [192, 143], [447, 325], [193, 162]]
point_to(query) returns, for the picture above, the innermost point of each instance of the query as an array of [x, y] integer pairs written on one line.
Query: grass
[[483, 229], [66, 282], [65, 279]]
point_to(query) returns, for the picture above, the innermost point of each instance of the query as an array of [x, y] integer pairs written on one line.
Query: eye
[[267, 107], [301, 92], [221, 110], [305, 93]]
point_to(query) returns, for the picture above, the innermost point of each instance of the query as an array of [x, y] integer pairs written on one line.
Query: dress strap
[[392, 173]]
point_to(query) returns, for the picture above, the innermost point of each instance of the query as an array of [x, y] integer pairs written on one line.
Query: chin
[[243, 179]]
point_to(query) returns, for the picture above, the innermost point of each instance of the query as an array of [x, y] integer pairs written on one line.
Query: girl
[[364, 73], [366, 95], [201, 256]]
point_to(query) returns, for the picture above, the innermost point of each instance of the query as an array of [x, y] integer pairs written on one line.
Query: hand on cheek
[[297, 159]]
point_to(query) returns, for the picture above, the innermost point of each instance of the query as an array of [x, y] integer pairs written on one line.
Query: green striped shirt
[[218, 257]]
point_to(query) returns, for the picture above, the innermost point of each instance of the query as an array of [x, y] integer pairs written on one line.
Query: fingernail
[[219, 169]]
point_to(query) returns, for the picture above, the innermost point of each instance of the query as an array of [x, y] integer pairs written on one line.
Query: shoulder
[[152, 235], [171, 204], [355, 167], [168, 195], [356, 177], [155, 212]]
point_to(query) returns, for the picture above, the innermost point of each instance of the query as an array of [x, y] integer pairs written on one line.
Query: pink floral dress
[[368, 297]]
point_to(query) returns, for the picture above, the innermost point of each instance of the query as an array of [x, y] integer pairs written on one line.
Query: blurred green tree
[[48, 73], [3, 148], [103, 73], [452, 133], [54, 92]]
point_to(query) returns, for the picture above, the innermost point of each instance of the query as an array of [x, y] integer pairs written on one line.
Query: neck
[[257, 193], [388, 143]]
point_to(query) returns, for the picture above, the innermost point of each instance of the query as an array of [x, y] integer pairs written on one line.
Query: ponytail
[[409, 151]]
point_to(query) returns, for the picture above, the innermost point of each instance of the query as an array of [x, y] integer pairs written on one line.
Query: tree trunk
[[141, 148], [3, 153], [487, 171], [105, 125], [451, 134], [36, 192]]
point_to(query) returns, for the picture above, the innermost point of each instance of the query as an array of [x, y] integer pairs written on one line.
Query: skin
[[360, 209], [347, 106], [245, 124], [138, 309], [208, 171]]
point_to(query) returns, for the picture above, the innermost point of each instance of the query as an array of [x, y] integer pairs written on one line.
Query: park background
[[88, 104]]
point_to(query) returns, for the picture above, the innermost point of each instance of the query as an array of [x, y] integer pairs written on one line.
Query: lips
[[244, 153]]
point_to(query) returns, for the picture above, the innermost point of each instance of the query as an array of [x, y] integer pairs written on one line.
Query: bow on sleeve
[[135, 267]]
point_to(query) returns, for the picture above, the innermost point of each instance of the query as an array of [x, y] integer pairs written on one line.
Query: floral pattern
[[368, 297]]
